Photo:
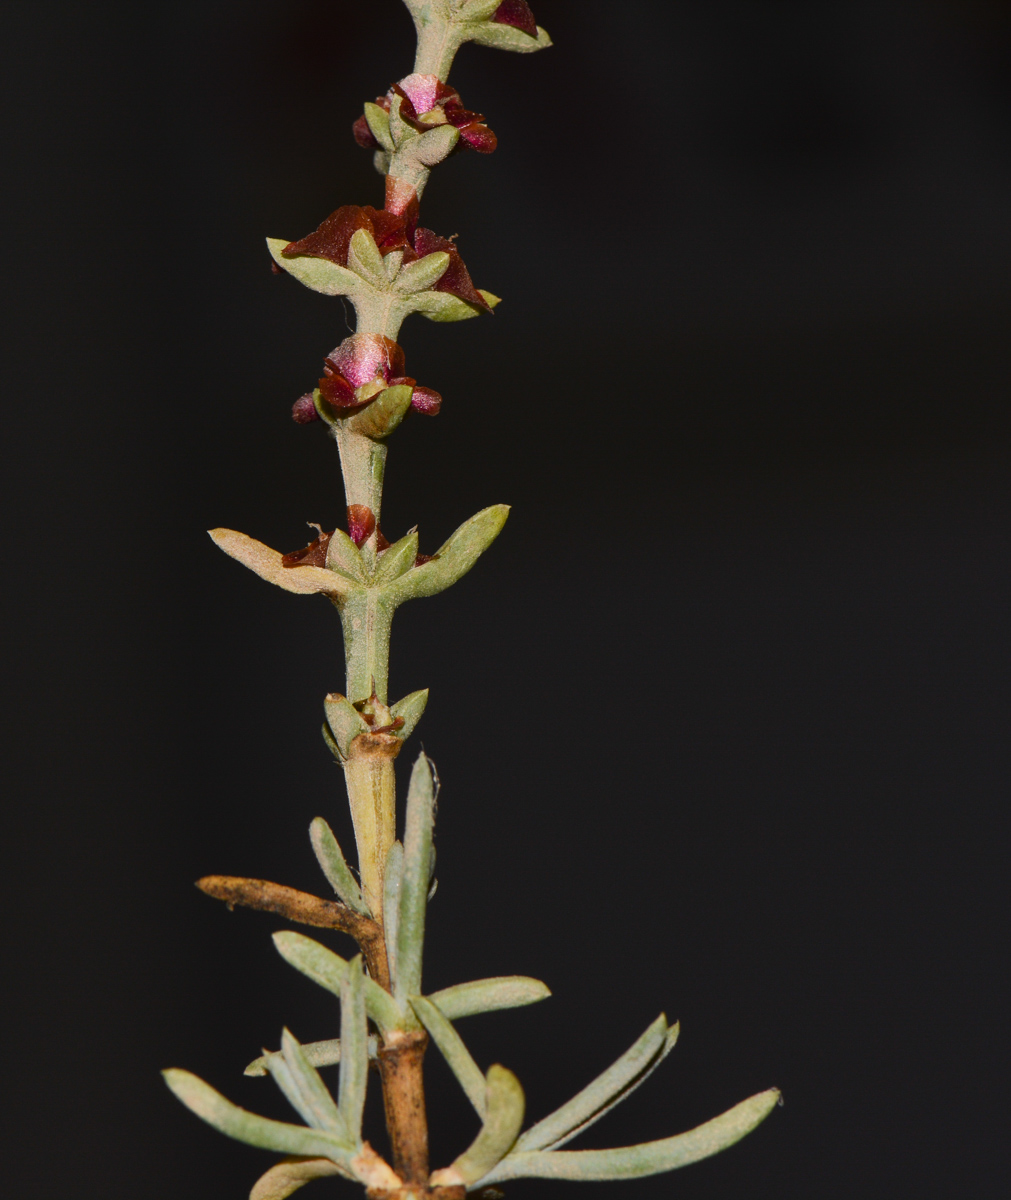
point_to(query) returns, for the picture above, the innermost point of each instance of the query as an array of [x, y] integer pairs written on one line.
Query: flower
[[391, 232], [518, 14], [425, 101], [358, 371]]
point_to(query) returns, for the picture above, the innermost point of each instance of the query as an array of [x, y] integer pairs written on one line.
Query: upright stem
[[438, 42], [372, 794], [363, 466]]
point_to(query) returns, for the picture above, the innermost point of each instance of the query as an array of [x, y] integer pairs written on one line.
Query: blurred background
[[722, 720]]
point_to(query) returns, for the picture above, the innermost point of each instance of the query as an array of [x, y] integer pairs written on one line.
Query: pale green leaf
[[235, 1122], [498, 1133], [599, 1094], [331, 742], [454, 558], [442, 306], [396, 560], [468, 1073], [346, 723], [331, 860], [488, 995], [508, 37], [418, 825], [354, 1072], [344, 557], [478, 10], [410, 709], [400, 130], [379, 123], [319, 274], [434, 145], [321, 1054], [422, 273], [304, 1090], [292, 1173], [364, 258], [381, 416], [329, 970], [266, 563], [392, 879], [648, 1158]]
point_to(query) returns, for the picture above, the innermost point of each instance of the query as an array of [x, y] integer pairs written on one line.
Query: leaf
[[501, 1125], [443, 306], [379, 123], [304, 1090], [344, 556], [332, 862], [422, 273], [327, 969], [210, 1106], [321, 1054], [319, 274], [381, 416], [354, 1072], [598, 1094], [365, 260], [292, 1173], [648, 1158], [400, 130], [488, 995], [266, 563], [397, 559], [453, 559], [434, 145], [469, 1075], [418, 825], [410, 710], [392, 878], [478, 10], [508, 37]]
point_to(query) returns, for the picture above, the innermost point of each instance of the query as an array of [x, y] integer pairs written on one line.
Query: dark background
[[722, 720]]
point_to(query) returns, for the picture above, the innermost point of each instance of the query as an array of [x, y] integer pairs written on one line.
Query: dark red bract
[[426, 96], [516, 13]]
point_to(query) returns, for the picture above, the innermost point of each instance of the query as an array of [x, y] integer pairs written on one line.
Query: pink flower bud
[[303, 411]]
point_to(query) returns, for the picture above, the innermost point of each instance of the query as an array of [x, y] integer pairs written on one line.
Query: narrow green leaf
[[235, 1122], [442, 306], [648, 1158], [381, 416], [379, 123], [392, 879], [418, 825], [331, 742], [400, 130], [321, 1054], [345, 722], [304, 1090], [319, 274], [422, 273], [469, 1075], [329, 970], [365, 260], [488, 995], [290, 1174], [328, 852], [453, 559], [434, 145], [498, 1133], [397, 559], [354, 1039], [508, 37], [598, 1094], [344, 557], [410, 708], [478, 10]]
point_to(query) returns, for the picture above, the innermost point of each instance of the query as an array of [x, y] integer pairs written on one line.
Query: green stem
[[438, 42], [366, 618]]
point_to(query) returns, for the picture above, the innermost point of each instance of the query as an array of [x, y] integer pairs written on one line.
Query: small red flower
[[425, 101], [391, 231], [516, 13], [359, 370]]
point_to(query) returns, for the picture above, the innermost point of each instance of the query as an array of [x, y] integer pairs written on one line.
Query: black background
[[722, 719]]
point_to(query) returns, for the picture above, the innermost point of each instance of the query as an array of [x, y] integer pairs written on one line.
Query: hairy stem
[[372, 794], [438, 43], [366, 618], [400, 1064]]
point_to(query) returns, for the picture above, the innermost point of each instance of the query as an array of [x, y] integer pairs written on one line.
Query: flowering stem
[[372, 795], [438, 43], [363, 466]]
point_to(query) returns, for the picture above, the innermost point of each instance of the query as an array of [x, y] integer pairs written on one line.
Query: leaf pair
[[383, 290]]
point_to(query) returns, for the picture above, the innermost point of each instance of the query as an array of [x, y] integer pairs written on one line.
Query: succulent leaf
[[379, 123], [396, 560], [423, 273], [418, 827], [469, 1075], [318, 274], [365, 260], [290, 1174], [324, 844], [502, 1123], [647, 1158], [507, 37], [304, 1089], [329, 970], [326, 1053], [409, 710], [392, 879], [304, 581], [453, 559], [380, 417], [354, 1072], [488, 995]]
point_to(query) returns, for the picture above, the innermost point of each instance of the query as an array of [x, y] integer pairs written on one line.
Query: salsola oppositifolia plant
[[389, 266]]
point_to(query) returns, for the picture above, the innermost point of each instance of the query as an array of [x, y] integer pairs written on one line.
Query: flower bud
[[303, 411]]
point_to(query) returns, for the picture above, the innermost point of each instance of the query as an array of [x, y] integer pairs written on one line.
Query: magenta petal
[[303, 411], [516, 13], [426, 400]]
